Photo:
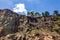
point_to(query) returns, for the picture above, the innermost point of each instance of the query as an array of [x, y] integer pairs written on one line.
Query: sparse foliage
[[37, 14], [33, 14], [55, 12], [46, 13]]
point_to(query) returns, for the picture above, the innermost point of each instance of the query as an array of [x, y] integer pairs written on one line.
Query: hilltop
[[14, 26]]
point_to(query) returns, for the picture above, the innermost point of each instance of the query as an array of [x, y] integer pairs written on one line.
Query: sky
[[40, 6]]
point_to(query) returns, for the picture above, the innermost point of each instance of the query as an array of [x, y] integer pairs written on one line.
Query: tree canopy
[[46, 13], [55, 12], [37, 14], [33, 14]]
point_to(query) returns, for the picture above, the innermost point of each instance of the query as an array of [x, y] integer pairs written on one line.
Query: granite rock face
[[14, 26]]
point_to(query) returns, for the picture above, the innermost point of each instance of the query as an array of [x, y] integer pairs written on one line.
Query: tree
[[43, 14], [55, 12], [37, 14], [32, 13], [28, 13], [46, 13]]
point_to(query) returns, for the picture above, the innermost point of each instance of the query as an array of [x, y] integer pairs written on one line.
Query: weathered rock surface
[[22, 36], [14, 26]]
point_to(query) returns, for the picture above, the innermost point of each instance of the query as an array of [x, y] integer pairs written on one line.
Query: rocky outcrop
[[14, 26], [22, 36], [8, 20]]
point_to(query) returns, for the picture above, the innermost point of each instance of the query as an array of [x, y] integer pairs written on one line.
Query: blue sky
[[32, 5]]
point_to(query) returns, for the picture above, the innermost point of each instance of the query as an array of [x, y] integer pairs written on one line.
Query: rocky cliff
[[14, 26]]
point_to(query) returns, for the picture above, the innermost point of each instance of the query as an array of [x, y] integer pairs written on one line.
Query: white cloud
[[20, 8]]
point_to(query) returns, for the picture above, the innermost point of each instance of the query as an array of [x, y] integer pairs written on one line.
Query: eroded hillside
[[14, 26]]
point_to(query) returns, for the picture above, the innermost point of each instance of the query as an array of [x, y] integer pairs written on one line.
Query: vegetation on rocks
[[35, 26]]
